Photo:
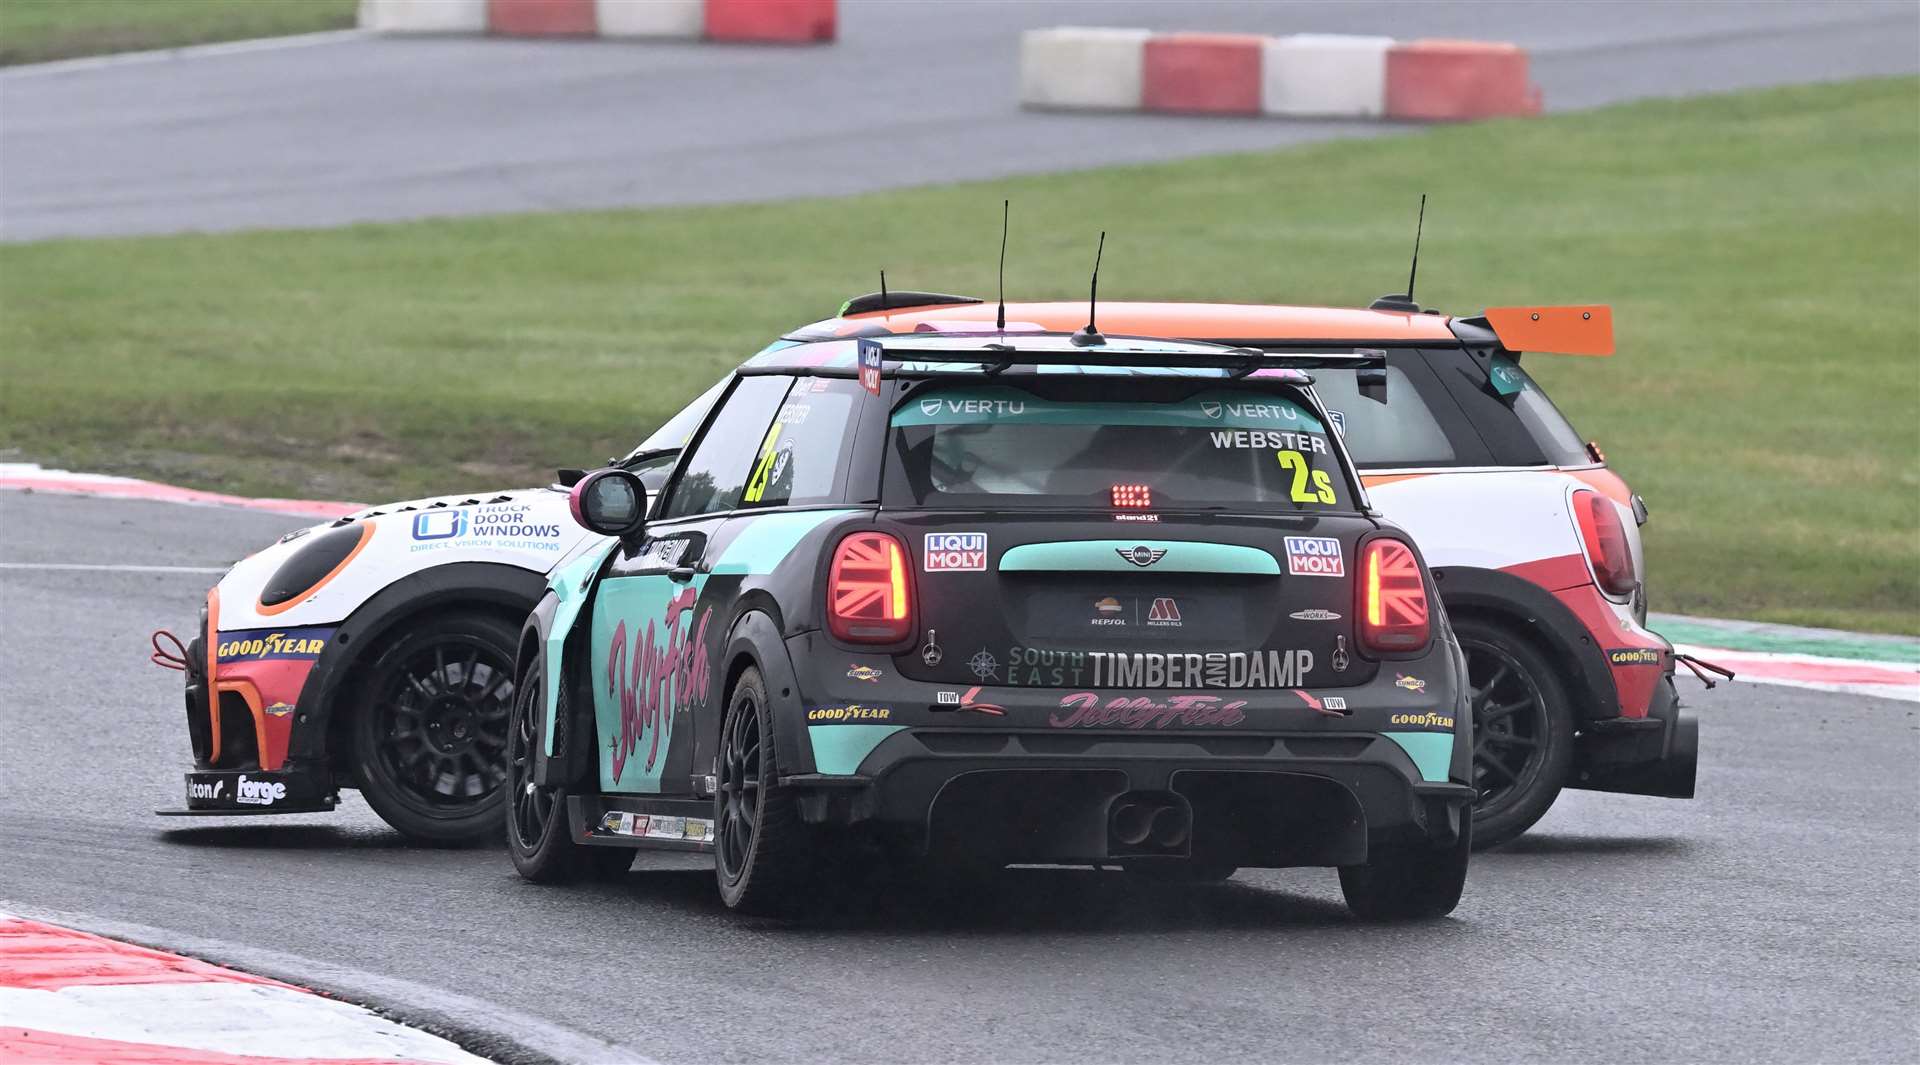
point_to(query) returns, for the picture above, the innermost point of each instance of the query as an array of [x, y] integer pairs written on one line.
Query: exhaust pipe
[[1132, 822], [1169, 827]]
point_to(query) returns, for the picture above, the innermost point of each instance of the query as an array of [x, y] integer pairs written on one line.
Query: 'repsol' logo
[[1108, 612], [1141, 555], [439, 524], [258, 792], [197, 789]]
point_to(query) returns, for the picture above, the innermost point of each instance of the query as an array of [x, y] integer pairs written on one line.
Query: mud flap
[[1655, 755]]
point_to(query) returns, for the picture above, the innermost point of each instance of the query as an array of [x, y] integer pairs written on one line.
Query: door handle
[[680, 574]]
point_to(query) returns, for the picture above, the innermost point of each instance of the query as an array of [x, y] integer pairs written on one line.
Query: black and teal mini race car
[[998, 598]]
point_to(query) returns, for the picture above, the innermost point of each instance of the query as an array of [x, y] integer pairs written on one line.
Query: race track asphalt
[[1772, 919], [368, 129]]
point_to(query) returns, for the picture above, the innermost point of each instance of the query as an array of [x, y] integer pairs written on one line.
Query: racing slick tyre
[[1409, 883], [1522, 730], [538, 838], [765, 857], [430, 737]]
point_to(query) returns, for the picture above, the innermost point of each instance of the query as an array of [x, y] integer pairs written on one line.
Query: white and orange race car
[[1535, 543]]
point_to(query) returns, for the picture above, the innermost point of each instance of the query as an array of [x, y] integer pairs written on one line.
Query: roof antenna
[[883, 289], [1000, 316], [1397, 301], [1090, 336], [1414, 270]]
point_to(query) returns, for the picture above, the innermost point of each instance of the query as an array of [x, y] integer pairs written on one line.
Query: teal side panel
[[1103, 556], [569, 585], [768, 538], [640, 686], [840, 749], [1432, 752]]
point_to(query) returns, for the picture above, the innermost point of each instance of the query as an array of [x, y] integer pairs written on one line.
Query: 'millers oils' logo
[[1635, 656], [286, 644]]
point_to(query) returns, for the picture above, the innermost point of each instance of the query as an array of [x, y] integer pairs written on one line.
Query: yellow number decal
[[763, 469], [1318, 490]]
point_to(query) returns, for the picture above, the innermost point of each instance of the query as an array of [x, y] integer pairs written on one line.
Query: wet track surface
[[366, 129], [1774, 918]]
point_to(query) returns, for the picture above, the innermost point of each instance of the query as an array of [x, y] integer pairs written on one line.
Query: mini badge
[[1141, 555], [870, 352], [1315, 556], [1316, 614], [953, 552], [866, 673]]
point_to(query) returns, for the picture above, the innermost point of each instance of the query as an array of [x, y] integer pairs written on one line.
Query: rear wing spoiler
[[1241, 361], [1584, 330]]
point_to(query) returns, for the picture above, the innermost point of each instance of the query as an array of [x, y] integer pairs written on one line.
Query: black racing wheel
[[1522, 730], [538, 839], [764, 856], [430, 737]]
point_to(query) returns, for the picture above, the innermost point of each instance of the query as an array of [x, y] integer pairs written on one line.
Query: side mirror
[[611, 502]]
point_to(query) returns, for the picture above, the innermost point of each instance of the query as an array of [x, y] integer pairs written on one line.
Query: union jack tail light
[[869, 599], [1393, 599]]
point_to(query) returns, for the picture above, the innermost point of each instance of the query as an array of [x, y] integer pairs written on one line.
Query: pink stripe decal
[[128, 488]]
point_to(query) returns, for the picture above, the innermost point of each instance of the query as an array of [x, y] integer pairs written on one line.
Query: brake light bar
[[1393, 610], [869, 595], [1133, 496]]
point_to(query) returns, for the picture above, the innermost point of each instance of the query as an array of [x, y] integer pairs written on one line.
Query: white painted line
[[104, 568], [406, 1001], [196, 51], [226, 1018]]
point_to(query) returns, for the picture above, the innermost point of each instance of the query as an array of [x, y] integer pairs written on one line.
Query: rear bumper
[[1013, 795], [1653, 755]]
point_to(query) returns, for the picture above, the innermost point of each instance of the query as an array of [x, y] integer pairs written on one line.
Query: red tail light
[[1393, 599], [1605, 539], [869, 599]]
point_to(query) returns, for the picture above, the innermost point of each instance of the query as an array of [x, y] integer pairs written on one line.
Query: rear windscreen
[[1135, 447]]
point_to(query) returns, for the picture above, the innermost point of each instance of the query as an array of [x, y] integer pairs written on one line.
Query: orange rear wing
[[1554, 330]]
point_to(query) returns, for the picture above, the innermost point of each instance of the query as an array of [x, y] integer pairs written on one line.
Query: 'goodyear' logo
[[852, 712], [1636, 656], [288, 644], [1427, 720]]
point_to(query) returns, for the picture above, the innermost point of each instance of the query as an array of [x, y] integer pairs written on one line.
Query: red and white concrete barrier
[[788, 21], [69, 998], [1307, 75]]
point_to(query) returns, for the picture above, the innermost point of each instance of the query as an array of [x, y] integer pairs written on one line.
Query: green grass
[[1761, 250], [32, 31]]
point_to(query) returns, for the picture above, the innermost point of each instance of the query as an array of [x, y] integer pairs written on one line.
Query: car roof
[[1237, 322]]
